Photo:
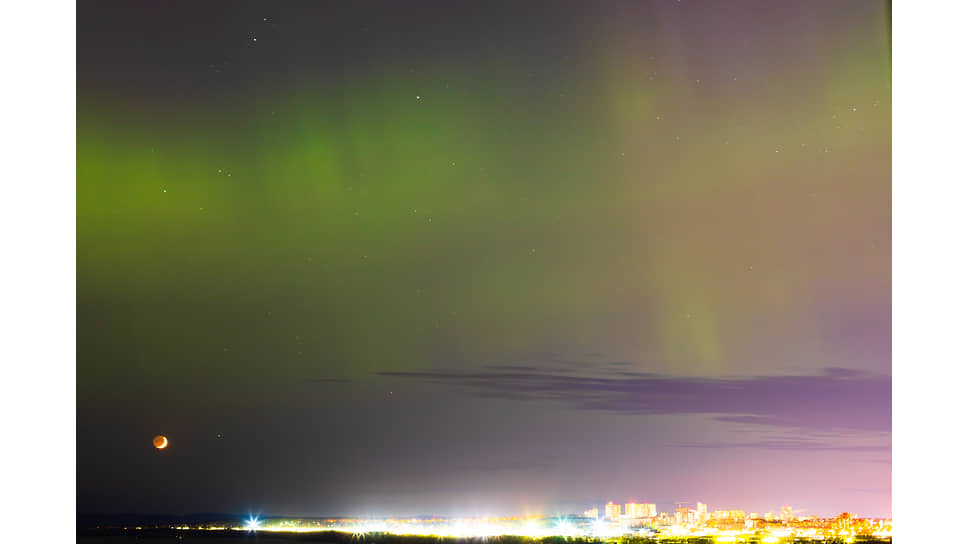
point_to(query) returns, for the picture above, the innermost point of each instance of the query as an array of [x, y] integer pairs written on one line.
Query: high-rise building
[[650, 510], [593, 513], [730, 515], [786, 513], [636, 510], [844, 521], [613, 511], [701, 512]]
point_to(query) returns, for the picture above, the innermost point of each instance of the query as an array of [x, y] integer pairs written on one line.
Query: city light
[[563, 528], [637, 521]]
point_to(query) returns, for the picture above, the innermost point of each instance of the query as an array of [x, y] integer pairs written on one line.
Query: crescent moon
[[163, 444], [160, 442]]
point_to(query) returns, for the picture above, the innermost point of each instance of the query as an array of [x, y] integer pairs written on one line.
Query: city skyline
[[723, 525]]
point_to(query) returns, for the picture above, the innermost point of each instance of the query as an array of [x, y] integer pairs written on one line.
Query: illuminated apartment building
[[701, 512], [613, 511], [636, 510], [685, 516], [786, 513], [728, 515]]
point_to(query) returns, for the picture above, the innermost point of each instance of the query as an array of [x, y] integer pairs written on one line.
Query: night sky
[[403, 258]]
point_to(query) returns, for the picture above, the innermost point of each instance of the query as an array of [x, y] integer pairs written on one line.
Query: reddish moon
[[160, 442]]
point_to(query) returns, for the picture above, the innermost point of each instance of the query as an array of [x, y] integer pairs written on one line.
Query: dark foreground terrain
[[174, 536]]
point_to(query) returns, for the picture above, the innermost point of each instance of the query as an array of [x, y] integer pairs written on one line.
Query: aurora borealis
[[413, 258]]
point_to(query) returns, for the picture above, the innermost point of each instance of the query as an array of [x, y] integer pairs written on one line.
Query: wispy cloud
[[835, 399], [790, 445]]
